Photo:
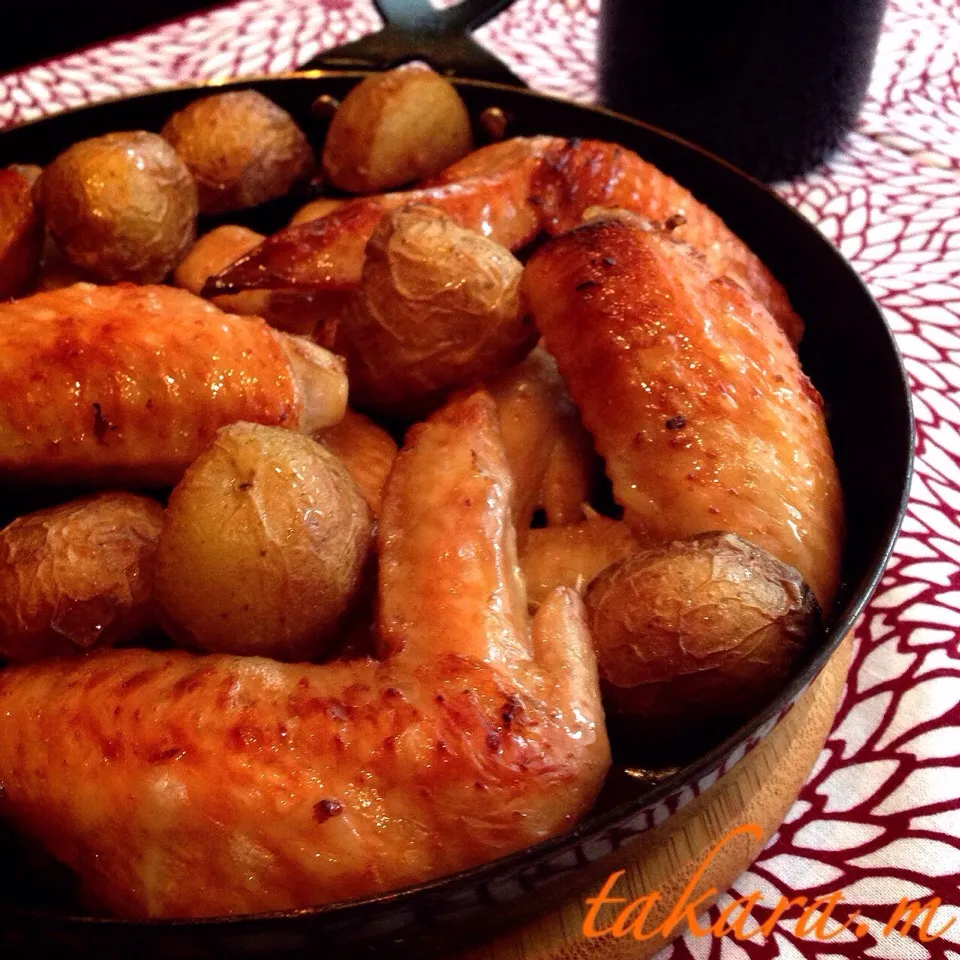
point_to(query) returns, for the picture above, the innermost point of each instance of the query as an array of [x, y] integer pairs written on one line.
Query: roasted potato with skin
[[437, 307], [366, 450], [21, 234], [697, 635], [264, 546], [122, 206], [78, 576], [394, 128], [241, 148], [572, 555]]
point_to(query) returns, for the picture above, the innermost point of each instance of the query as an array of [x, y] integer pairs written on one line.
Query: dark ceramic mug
[[770, 85]]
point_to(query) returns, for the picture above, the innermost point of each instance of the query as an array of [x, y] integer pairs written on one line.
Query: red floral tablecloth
[[880, 816]]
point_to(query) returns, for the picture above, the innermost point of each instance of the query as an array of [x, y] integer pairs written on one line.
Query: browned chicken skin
[[693, 394], [510, 192], [489, 192], [131, 382], [181, 785]]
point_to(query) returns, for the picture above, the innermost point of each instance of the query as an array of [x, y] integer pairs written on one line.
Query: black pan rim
[[691, 772]]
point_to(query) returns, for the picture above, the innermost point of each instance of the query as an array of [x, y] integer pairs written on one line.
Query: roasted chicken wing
[[693, 394], [510, 192], [131, 383], [182, 785]]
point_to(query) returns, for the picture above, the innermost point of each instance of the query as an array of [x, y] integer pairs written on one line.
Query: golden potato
[[78, 576], [697, 635], [394, 128], [241, 148], [21, 235], [366, 450], [122, 206], [572, 555], [264, 546], [437, 307]]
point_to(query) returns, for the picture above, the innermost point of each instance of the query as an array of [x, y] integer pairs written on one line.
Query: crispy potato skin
[[366, 450], [263, 548], [78, 576], [241, 148], [394, 128], [122, 206], [697, 632], [693, 394], [130, 383], [572, 555], [438, 307], [21, 234]]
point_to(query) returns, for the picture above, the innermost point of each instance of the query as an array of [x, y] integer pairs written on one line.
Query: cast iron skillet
[[848, 352]]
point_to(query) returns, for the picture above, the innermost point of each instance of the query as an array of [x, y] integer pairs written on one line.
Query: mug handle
[[415, 30]]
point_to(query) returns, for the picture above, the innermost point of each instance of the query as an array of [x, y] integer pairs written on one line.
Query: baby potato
[[396, 127], [264, 546], [241, 148], [697, 635], [366, 450], [21, 234], [78, 576], [437, 307], [122, 206]]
